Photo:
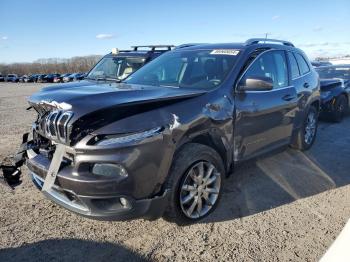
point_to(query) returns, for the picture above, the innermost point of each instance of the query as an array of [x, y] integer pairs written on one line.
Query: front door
[[264, 119]]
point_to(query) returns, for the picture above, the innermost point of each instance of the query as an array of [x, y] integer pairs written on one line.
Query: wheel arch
[[213, 140]]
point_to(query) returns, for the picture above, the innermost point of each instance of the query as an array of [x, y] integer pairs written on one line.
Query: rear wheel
[[340, 108], [195, 183], [307, 134]]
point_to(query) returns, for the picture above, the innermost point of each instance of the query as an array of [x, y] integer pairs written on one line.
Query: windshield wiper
[[104, 79]]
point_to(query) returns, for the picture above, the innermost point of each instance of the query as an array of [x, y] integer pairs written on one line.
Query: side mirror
[[255, 83]]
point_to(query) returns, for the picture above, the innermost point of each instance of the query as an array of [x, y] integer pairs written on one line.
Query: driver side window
[[272, 65]]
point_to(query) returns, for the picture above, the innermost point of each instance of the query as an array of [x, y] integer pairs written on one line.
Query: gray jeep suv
[[161, 142]]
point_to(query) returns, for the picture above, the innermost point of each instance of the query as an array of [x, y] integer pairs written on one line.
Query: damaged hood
[[87, 96], [327, 84], [96, 105]]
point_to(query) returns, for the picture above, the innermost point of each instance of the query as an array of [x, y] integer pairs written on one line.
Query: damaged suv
[[162, 142]]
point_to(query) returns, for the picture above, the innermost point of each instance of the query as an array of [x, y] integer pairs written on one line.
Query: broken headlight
[[128, 138]]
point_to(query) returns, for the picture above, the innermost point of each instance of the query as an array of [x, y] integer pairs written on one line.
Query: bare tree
[[51, 65]]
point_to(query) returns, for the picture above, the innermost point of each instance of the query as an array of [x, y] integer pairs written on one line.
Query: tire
[[340, 107], [183, 187], [303, 140]]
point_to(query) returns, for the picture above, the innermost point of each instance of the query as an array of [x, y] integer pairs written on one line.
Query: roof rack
[[188, 45], [253, 41], [152, 47]]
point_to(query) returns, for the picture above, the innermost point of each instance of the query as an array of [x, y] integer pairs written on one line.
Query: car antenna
[[265, 38]]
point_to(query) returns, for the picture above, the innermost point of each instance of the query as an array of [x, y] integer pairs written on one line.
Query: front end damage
[[10, 166], [111, 162], [90, 178], [93, 182], [89, 161]]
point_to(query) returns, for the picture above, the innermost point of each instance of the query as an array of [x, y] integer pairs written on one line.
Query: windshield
[[334, 72], [116, 67], [189, 69]]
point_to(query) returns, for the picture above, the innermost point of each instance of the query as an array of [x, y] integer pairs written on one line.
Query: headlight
[[108, 140], [325, 94]]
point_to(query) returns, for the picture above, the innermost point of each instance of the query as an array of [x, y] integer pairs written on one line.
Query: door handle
[[306, 85], [288, 97]]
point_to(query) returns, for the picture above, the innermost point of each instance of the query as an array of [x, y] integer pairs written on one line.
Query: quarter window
[[273, 65], [293, 65], [304, 67]]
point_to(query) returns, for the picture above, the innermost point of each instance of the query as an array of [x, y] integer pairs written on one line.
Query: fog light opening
[[124, 202], [109, 170]]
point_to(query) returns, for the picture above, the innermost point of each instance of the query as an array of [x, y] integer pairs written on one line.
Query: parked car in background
[[21, 78], [2, 78], [59, 79], [66, 79], [50, 78], [76, 77], [335, 91], [320, 63], [161, 142], [30, 78], [40, 78], [12, 78], [119, 64]]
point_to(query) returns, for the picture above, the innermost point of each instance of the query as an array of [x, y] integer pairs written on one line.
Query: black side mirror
[[255, 83]]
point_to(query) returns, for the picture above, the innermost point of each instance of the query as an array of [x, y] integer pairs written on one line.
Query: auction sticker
[[224, 52]]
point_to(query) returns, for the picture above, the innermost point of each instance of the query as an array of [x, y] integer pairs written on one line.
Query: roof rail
[[188, 45], [264, 40], [152, 47]]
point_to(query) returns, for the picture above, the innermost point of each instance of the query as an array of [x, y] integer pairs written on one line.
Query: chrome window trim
[[266, 91]]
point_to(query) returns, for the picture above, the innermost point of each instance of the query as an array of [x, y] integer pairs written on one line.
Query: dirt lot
[[286, 207]]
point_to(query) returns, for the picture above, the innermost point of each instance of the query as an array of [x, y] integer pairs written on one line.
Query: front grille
[[54, 124], [51, 123]]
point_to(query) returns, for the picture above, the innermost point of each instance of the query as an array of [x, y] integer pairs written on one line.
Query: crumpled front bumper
[[93, 198]]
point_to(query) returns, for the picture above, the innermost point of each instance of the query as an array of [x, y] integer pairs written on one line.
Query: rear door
[[303, 80], [264, 119]]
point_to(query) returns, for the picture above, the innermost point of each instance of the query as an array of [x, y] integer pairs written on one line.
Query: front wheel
[[307, 133], [195, 183]]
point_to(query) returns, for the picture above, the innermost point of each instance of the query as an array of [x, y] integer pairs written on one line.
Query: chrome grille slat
[[54, 125]]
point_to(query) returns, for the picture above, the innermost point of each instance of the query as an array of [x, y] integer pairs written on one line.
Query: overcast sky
[[35, 29]]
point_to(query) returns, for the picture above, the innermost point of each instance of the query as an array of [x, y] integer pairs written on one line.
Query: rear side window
[[303, 66], [293, 65], [273, 65]]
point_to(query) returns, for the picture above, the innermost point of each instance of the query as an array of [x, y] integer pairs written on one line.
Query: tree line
[[51, 65]]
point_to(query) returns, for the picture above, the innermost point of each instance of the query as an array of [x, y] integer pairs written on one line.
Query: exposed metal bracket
[[54, 167]]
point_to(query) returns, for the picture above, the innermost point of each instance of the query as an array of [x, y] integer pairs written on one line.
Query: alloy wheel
[[310, 127], [200, 189]]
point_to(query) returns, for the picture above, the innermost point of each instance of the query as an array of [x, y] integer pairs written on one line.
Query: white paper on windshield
[[224, 52]]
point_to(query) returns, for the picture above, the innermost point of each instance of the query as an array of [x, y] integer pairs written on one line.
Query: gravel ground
[[285, 207]]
